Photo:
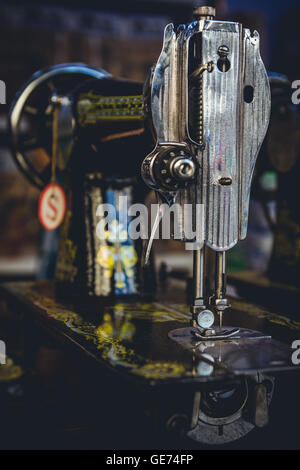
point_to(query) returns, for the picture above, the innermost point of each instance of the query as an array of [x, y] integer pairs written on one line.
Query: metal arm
[[210, 97]]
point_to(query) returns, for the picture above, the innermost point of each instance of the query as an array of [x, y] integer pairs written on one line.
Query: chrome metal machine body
[[210, 108]]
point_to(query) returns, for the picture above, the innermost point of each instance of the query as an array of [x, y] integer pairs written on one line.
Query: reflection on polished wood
[[132, 338]]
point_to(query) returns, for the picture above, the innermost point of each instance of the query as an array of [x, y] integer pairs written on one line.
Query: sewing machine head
[[66, 129], [209, 100]]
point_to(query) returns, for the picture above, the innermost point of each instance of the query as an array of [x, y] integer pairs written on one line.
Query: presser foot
[[203, 320], [203, 329], [213, 334], [192, 335]]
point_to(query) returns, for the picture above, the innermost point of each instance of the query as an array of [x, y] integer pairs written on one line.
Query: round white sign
[[52, 206]]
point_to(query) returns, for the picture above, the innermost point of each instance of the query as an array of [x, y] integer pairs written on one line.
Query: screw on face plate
[[204, 13], [223, 51], [205, 319], [225, 181]]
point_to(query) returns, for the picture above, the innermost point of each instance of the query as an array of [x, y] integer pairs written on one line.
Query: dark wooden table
[[129, 367]]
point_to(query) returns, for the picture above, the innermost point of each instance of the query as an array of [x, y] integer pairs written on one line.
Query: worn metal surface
[[231, 124], [210, 101]]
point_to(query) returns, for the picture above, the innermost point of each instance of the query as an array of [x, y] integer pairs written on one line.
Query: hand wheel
[[30, 117]]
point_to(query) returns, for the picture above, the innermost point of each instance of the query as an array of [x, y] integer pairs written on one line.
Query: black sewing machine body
[[92, 172]]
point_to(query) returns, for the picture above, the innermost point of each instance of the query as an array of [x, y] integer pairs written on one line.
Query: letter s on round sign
[[52, 206]]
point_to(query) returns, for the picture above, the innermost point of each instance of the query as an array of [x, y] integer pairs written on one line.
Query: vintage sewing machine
[[207, 103], [210, 105], [88, 167]]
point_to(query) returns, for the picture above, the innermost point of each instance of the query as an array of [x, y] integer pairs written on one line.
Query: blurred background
[[125, 39]]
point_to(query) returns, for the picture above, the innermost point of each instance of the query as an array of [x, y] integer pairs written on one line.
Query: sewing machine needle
[[220, 281]]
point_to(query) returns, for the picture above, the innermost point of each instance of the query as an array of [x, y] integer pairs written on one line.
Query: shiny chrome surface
[[233, 128], [210, 94], [256, 117]]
